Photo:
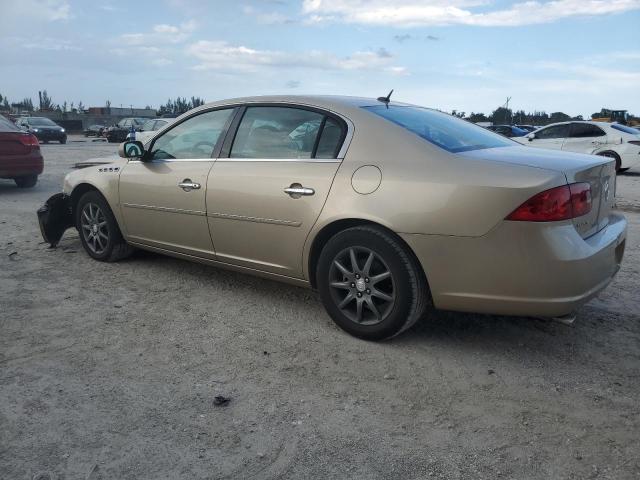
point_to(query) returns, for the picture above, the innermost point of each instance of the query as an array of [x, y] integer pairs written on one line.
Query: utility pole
[[506, 106]]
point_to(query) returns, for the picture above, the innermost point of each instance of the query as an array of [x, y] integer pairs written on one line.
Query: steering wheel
[[206, 144]]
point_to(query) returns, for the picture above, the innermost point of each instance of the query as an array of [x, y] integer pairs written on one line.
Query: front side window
[[445, 131], [276, 132], [585, 130], [196, 137], [557, 131]]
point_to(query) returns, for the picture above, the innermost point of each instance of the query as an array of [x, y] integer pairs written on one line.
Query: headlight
[[36, 130], [62, 130]]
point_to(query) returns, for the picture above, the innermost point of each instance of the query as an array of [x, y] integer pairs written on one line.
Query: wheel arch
[[612, 154], [337, 226], [79, 190]]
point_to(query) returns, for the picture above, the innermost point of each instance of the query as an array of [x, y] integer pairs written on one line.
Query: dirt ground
[[109, 371]]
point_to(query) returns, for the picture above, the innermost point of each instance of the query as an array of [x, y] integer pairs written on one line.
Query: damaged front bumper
[[55, 217]]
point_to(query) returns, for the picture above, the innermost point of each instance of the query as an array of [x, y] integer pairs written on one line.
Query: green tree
[[46, 103], [501, 115]]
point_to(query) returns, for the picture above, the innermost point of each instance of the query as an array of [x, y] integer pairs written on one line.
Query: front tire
[[370, 284], [28, 181], [99, 231], [63, 140]]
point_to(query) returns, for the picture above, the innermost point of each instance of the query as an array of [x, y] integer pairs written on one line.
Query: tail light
[[635, 142], [29, 140], [560, 203]]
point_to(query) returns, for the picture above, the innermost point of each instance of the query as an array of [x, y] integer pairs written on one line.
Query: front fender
[[55, 217]]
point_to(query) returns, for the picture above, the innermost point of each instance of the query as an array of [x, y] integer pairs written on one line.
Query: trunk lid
[[599, 172], [11, 144], [602, 179]]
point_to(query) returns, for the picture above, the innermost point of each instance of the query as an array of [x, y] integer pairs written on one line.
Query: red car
[[20, 157]]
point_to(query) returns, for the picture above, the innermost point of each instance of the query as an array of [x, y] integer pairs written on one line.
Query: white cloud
[[29, 11], [267, 18], [224, 57], [414, 13], [160, 34]]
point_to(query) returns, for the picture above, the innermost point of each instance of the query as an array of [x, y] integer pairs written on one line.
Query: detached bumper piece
[[55, 217]]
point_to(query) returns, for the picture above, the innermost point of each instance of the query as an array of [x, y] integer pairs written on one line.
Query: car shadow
[[464, 333]]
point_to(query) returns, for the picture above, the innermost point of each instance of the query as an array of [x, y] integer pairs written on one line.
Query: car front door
[[264, 197], [551, 137], [162, 198], [584, 138]]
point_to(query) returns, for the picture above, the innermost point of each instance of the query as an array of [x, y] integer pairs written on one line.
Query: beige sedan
[[387, 209]]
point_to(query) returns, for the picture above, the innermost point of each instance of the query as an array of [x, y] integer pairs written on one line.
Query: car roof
[[337, 103]]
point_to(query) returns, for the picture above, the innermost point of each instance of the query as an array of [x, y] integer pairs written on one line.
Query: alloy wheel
[[95, 230], [362, 285]]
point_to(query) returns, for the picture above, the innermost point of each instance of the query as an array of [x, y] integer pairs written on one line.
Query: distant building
[[123, 112]]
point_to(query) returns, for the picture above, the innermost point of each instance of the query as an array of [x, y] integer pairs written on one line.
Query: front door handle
[[187, 185], [295, 190]]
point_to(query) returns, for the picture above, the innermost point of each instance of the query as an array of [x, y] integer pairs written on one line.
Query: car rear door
[[584, 138], [163, 198], [268, 187], [551, 137]]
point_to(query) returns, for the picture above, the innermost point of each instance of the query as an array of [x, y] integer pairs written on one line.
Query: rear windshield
[[39, 121], [625, 129], [7, 125], [453, 134]]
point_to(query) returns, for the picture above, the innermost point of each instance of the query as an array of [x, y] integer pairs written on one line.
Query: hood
[[555, 160]]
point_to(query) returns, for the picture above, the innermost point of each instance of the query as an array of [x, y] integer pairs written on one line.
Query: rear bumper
[[55, 217], [18, 166], [519, 268], [630, 160]]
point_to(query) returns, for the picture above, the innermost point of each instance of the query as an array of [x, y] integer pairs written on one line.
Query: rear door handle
[[295, 190], [187, 185]]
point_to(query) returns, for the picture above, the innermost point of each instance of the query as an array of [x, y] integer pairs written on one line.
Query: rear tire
[[370, 284], [99, 231], [616, 157], [27, 181]]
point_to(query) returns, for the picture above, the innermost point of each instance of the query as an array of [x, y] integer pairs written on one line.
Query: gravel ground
[[110, 371]]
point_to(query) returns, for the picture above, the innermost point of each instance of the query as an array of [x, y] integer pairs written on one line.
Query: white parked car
[[150, 127], [596, 138]]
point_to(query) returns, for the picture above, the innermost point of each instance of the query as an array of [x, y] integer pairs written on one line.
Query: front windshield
[[40, 121], [451, 133]]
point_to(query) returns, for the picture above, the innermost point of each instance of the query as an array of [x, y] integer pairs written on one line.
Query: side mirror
[[131, 149], [531, 136]]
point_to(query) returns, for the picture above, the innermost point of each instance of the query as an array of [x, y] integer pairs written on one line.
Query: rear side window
[[585, 130], [330, 139], [557, 131], [286, 132], [450, 133]]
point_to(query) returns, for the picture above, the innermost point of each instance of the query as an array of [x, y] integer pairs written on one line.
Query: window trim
[[347, 133]]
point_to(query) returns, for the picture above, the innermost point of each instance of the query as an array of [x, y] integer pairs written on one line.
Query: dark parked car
[[20, 157], [118, 133], [508, 130], [94, 130], [43, 128]]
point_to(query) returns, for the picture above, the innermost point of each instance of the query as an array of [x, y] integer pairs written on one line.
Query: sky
[[575, 56]]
